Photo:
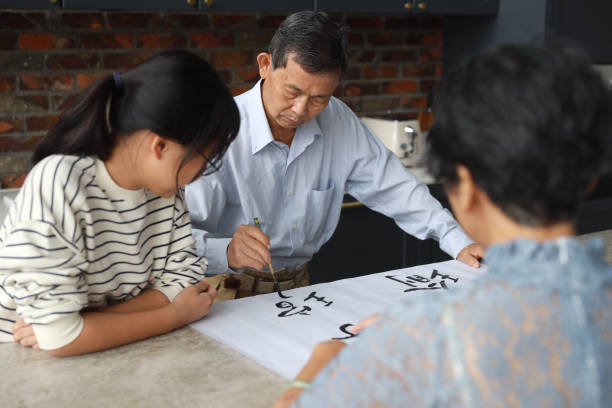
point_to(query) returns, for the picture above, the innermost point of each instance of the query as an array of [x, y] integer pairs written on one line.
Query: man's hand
[[471, 254], [24, 334], [249, 247], [193, 303]]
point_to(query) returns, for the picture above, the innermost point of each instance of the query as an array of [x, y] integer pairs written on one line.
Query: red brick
[[73, 61], [358, 23], [352, 72], [360, 89], [211, 40], [379, 104], [225, 75], [400, 87], [122, 60], [36, 102], [427, 84], [431, 23], [362, 55], [14, 144], [8, 42], [234, 21], [231, 58], [16, 21], [403, 22], [246, 75], [14, 181], [160, 40], [385, 38], [84, 80], [270, 21], [416, 102], [46, 82], [254, 39], [432, 39], [9, 125], [38, 123], [44, 42], [439, 70], [20, 62], [235, 91], [105, 41], [131, 20], [7, 83], [418, 70], [193, 20], [413, 39], [380, 71], [430, 54], [399, 56], [92, 21], [355, 39], [61, 101]]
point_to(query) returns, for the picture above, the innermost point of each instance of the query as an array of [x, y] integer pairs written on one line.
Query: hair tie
[[118, 80]]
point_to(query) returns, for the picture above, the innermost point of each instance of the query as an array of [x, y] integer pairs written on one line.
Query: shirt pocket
[[320, 214]]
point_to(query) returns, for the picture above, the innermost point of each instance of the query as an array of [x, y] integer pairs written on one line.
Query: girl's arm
[[103, 330], [149, 299]]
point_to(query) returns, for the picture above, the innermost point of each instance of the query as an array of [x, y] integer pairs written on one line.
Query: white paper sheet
[[253, 327]]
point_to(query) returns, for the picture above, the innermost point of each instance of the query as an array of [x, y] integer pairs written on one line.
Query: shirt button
[[289, 193], [293, 226]]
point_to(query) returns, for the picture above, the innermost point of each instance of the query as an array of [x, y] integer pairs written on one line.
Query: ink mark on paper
[[416, 282]]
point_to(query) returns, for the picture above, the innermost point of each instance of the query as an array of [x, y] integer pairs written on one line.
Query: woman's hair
[[318, 42], [175, 94], [532, 124]]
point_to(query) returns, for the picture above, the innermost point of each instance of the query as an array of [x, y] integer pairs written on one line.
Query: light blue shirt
[[297, 191]]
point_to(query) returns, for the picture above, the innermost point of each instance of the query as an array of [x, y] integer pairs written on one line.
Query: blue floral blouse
[[536, 331]]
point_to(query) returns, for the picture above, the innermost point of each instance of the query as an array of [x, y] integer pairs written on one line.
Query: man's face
[[292, 96]]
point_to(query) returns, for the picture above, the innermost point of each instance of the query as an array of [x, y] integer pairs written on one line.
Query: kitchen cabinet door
[[454, 7], [256, 6], [30, 4], [465, 7], [364, 242], [132, 4]]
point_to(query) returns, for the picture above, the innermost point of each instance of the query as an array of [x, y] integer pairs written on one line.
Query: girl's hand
[[193, 303], [24, 334]]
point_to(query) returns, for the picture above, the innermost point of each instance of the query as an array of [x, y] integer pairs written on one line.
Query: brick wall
[[48, 56]]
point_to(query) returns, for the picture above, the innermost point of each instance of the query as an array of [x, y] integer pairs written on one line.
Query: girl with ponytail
[[97, 249]]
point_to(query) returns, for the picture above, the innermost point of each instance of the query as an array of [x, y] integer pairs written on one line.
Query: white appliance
[[402, 137]]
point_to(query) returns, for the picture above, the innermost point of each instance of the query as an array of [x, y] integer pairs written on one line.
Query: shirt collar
[[259, 128]]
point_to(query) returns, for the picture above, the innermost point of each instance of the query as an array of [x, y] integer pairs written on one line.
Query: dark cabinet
[[132, 4], [472, 7], [256, 6], [367, 242], [30, 4], [584, 24]]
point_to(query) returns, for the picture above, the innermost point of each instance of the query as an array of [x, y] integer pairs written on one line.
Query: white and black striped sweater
[[75, 239]]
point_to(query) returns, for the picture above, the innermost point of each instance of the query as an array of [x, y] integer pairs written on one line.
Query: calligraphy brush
[[256, 220]]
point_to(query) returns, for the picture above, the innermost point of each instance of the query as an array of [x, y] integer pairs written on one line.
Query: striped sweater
[[74, 239]]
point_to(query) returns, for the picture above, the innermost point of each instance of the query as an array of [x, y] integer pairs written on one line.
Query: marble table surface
[[178, 369]]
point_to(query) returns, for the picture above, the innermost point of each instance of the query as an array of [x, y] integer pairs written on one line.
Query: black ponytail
[[175, 94], [81, 128]]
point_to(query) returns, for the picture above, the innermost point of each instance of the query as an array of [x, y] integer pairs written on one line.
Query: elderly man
[[298, 151]]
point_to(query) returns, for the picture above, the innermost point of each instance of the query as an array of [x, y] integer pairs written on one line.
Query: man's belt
[[262, 282]]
